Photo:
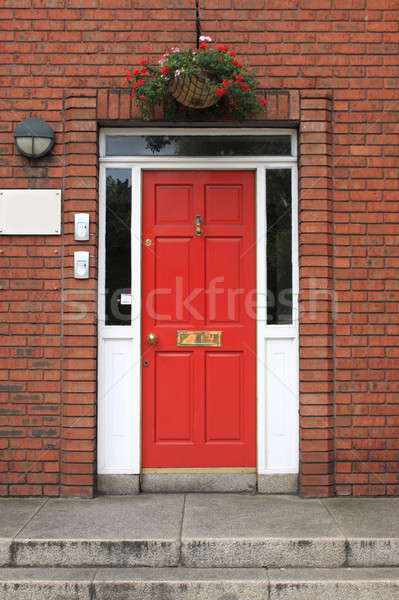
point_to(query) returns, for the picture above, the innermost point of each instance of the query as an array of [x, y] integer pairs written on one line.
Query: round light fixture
[[34, 138]]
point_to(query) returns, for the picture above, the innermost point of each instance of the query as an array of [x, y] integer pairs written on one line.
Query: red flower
[[165, 69], [234, 62], [132, 95], [263, 101], [144, 71], [220, 91], [129, 78], [202, 46], [239, 65], [142, 97], [226, 82], [232, 54], [140, 82], [222, 48], [143, 61], [136, 71]]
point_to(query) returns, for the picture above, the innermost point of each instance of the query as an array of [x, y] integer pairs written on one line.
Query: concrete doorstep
[[199, 584], [199, 546]]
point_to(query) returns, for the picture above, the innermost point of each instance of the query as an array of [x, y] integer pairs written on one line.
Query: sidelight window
[[118, 247], [279, 246]]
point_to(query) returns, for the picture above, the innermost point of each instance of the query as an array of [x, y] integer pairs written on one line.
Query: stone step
[[198, 584], [270, 552], [200, 531]]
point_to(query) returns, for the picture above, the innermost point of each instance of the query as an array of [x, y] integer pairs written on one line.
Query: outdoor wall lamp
[[34, 138]]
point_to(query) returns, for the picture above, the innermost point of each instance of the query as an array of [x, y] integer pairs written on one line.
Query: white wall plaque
[[30, 212]]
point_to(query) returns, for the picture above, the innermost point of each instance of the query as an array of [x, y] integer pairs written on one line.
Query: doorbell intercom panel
[[81, 265], [82, 227]]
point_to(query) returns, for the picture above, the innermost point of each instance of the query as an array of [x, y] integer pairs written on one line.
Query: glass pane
[[117, 246], [279, 246], [198, 145]]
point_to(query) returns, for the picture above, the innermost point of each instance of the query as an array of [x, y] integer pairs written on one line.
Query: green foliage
[[231, 81]]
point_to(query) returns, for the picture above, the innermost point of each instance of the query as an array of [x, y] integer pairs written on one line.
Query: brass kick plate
[[199, 338]]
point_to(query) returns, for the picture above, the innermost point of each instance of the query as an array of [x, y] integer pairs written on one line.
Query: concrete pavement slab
[[122, 531], [44, 584], [365, 517], [181, 584], [371, 526], [333, 584], [14, 514], [241, 531]]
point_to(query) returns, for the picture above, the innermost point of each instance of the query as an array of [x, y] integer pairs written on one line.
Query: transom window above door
[[198, 145]]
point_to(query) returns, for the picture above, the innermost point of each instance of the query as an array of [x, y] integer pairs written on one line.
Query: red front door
[[199, 275]]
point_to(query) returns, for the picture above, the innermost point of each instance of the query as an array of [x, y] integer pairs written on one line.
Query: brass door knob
[[152, 339]]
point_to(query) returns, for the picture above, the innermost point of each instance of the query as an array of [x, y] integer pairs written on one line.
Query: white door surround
[[119, 357]]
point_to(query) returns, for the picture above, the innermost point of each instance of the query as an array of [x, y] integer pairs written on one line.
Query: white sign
[[126, 299], [30, 212]]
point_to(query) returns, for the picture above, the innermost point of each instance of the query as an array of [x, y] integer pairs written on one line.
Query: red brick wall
[[340, 57]]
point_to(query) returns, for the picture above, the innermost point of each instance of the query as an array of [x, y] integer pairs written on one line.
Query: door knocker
[[198, 223]]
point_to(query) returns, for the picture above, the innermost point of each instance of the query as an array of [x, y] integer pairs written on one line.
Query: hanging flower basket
[[193, 91], [206, 79]]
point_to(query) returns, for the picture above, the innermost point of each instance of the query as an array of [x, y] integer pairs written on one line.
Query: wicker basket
[[192, 91]]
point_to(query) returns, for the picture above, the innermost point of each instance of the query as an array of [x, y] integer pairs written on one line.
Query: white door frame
[[119, 347]]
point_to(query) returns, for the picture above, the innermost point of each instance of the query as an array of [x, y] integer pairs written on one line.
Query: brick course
[[332, 66]]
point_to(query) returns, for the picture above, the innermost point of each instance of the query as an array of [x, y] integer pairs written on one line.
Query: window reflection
[[279, 246], [198, 145], [118, 246]]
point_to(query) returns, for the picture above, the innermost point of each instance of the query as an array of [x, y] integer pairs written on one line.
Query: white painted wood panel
[[281, 406], [116, 409]]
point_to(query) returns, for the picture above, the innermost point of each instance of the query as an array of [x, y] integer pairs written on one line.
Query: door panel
[[223, 205], [223, 397], [222, 258], [199, 403], [173, 205], [173, 278], [173, 426]]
